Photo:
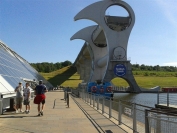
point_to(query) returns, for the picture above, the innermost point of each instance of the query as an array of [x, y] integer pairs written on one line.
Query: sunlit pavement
[[78, 118]]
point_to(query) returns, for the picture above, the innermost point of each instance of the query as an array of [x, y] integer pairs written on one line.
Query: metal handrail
[[126, 113], [109, 109], [160, 123]]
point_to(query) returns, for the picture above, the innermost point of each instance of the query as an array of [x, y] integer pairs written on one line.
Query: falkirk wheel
[[105, 53]]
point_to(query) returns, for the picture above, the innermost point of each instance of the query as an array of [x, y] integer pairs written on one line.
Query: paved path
[[78, 118]]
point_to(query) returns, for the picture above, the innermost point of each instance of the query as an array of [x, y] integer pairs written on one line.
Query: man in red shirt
[[40, 91]]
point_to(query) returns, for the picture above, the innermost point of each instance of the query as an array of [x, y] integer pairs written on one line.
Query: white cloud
[[170, 64], [169, 9]]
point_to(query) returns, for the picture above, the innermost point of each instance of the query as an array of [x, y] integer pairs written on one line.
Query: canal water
[[147, 99]]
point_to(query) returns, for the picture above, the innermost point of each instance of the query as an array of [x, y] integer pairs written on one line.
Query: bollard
[[68, 99], [65, 95]]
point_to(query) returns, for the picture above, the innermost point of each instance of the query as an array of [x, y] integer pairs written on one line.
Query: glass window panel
[[7, 70], [4, 70], [1, 62], [12, 72], [8, 79], [4, 62], [15, 72]]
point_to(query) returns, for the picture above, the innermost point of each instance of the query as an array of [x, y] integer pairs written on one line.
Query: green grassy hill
[[68, 76], [149, 82]]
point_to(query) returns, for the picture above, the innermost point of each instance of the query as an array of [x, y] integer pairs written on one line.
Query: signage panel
[[119, 70]]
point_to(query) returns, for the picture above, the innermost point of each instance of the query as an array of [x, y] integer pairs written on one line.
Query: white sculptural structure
[[107, 43]]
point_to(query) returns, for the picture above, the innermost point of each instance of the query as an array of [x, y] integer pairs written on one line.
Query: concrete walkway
[[78, 118]]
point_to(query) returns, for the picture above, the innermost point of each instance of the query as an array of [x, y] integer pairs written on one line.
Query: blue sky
[[40, 30]]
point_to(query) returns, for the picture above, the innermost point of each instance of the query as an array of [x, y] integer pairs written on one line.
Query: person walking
[[27, 94], [19, 97], [40, 91]]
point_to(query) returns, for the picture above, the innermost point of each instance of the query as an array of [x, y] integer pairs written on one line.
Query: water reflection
[[147, 99]]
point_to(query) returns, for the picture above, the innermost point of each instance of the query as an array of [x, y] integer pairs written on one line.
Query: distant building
[[15, 69]]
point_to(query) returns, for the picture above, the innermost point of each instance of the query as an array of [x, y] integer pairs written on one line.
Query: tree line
[[137, 67], [47, 67]]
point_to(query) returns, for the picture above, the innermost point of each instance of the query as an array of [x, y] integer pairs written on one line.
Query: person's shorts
[[19, 100], [26, 102], [43, 101], [39, 99]]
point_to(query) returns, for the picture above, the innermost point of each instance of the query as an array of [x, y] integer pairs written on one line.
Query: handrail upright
[[168, 98], [110, 108], [93, 101], [120, 113], [98, 103], [90, 99], [134, 119], [103, 105], [157, 97], [146, 122], [67, 95]]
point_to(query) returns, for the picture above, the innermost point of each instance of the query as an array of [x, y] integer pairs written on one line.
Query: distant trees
[[137, 67], [49, 67]]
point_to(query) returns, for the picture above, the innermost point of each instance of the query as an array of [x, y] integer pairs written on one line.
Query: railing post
[[93, 101], [134, 119], [120, 113], [103, 105], [98, 103], [65, 95], [168, 98], [81, 95], [110, 108], [85, 96], [68, 99], [158, 98], [146, 122], [90, 98], [158, 124], [86, 99]]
